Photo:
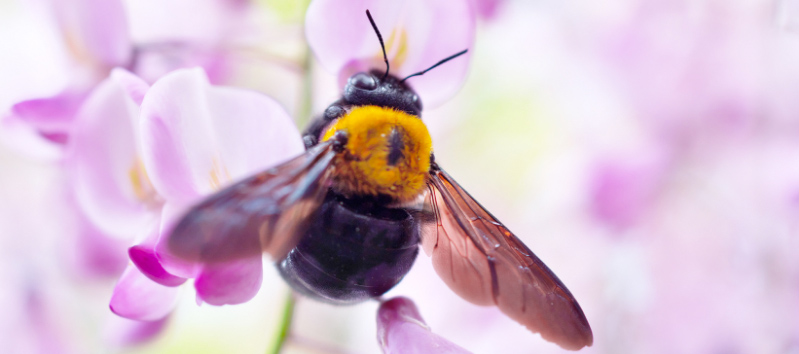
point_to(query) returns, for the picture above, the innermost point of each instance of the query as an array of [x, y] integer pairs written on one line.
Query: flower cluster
[[644, 150], [141, 134]]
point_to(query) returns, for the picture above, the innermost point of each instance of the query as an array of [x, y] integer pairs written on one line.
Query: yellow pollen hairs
[[388, 152]]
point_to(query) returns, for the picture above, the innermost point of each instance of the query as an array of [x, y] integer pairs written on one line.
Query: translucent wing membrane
[[263, 213], [484, 263]]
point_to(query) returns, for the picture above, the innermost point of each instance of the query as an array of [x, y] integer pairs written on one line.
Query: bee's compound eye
[[415, 99], [363, 81]]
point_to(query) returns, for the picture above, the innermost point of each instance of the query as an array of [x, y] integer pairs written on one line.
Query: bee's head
[[378, 89]]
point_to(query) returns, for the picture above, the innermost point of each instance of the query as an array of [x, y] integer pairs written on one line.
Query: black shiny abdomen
[[353, 250]]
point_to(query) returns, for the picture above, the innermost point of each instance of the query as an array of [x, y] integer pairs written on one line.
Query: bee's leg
[[310, 136]]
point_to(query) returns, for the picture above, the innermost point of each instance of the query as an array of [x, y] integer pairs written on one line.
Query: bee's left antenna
[[442, 61], [385, 57]]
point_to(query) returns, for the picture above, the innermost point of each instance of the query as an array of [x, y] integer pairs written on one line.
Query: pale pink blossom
[[97, 36], [170, 145], [417, 34], [401, 329]]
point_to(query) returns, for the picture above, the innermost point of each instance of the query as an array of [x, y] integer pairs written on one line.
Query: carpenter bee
[[345, 219]]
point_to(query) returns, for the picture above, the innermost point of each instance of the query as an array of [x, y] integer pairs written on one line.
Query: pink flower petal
[[50, 113], [136, 297], [254, 132], [123, 332], [96, 29], [400, 329], [48, 120], [133, 85], [157, 60], [230, 283], [198, 137], [344, 41], [111, 183], [145, 259], [170, 214]]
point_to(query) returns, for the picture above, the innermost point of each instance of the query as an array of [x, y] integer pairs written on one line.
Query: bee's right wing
[[486, 264], [263, 213]]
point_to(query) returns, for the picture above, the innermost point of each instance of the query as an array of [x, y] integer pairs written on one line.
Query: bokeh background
[[647, 151]]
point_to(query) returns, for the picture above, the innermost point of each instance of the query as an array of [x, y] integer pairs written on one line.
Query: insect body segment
[[387, 153]]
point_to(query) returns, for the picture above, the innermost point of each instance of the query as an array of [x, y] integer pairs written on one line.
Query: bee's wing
[[263, 213], [484, 263]]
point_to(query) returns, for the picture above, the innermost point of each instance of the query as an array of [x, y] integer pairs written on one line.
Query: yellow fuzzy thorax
[[387, 152]]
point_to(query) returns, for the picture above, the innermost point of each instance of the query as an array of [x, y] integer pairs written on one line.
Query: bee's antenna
[[379, 37], [453, 56]]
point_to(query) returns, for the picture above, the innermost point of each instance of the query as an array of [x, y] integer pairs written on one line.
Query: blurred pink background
[[647, 151]]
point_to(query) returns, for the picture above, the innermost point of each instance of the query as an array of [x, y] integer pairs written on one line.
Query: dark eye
[[414, 98], [363, 81]]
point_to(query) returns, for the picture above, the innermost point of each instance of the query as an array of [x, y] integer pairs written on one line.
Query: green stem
[[284, 326]]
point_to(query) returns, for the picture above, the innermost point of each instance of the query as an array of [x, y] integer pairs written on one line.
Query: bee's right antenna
[[379, 37], [442, 61]]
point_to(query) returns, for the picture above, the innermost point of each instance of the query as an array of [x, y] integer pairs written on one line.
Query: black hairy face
[[372, 89]]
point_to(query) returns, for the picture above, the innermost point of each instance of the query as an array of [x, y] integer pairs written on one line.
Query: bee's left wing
[[263, 213], [484, 263]]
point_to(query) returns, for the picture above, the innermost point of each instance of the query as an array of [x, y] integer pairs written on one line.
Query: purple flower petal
[[96, 30], [50, 113], [145, 259], [133, 85], [197, 137], [50, 118], [170, 214], [111, 183], [123, 332], [400, 329], [417, 33], [136, 297], [230, 283], [156, 61]]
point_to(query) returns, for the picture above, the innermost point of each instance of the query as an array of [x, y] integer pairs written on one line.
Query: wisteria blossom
[[417, 34], [97, 37], [166, 147], [400, 329], [644, 150]]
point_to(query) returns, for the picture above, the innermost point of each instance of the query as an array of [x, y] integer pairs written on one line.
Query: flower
[[400, 329], [168, 146], [111, 198], [97, 37], [417, 35]]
